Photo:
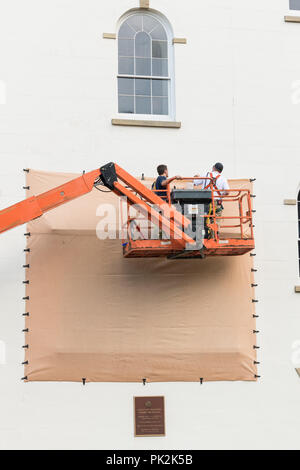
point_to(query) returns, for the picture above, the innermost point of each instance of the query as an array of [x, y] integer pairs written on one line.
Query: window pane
[[126, 104], [126, 65], [142, 45], [126, 47], [135, 22], [160, 49], [160, 106], [294, 4], [143, 51], [142, 105], [160, 67], [126, 32], [149, 23], [142, 87], [159, 33], [160, 87], [126, 86], [143, 66]]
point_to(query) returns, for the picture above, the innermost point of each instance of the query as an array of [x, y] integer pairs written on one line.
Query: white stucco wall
[[234, 97]]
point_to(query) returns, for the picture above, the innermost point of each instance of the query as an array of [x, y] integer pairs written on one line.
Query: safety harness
[[214, 183]]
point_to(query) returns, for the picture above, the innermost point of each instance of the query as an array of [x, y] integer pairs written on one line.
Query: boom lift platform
[[185, 219]]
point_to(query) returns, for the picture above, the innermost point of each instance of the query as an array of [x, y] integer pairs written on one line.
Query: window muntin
[[294, 4], [144, 80]]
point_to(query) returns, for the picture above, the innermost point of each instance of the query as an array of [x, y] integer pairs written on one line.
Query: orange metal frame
[[214, 246], [147, 203], [36, 206]]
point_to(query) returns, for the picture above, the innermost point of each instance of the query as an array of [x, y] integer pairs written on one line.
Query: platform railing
[[240, 196], [235, 195]]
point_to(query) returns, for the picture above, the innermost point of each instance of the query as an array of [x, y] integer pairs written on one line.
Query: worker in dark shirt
[[162, 181]]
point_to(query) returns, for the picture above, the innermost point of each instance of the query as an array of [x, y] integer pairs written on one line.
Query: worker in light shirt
[[220, 185]]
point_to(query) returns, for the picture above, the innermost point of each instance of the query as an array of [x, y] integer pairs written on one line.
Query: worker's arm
[[170, 180], [198, 182], [225, 188]]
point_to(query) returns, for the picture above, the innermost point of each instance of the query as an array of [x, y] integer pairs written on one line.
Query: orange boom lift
[[187, 225]]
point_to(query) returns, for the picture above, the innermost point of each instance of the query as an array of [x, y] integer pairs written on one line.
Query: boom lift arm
[[110, 175]]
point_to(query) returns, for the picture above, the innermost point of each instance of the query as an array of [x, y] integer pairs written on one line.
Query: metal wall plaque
[[149, 416]]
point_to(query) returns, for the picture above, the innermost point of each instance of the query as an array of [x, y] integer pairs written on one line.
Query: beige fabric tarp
[[98, 316]]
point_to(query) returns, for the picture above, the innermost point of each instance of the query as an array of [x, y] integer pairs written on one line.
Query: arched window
[[145, 68], [298, 203]]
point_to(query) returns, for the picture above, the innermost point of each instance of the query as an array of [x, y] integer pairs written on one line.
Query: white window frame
[[171, 68]]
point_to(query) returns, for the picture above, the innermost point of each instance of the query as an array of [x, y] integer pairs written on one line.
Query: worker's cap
[[219, 167]]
